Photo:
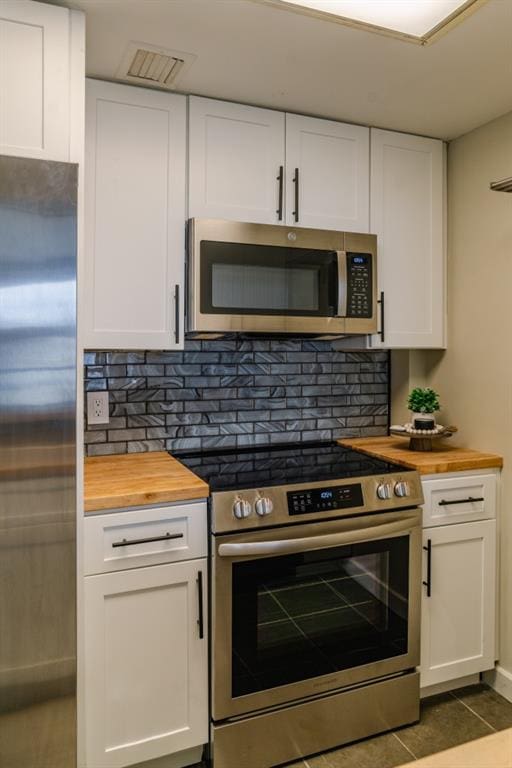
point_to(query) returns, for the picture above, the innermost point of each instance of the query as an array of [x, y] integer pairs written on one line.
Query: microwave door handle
[[342, 283], [294, 546]]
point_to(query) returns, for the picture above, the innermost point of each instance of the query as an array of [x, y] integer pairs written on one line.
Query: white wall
[[474, 375]]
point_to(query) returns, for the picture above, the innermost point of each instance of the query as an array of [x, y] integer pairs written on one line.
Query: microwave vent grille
[[152, 66]]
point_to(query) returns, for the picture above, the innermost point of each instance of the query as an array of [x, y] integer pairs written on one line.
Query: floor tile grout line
[[405, 746], [494, 730]]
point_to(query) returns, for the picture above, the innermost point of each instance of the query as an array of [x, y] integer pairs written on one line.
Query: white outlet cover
[[97, 408]]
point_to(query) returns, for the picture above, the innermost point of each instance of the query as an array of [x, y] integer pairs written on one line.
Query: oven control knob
[[384, 491], [263, 506], [402, 489], [241, 509]]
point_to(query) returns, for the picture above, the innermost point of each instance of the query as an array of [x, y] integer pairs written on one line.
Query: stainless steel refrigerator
[[37, 463]]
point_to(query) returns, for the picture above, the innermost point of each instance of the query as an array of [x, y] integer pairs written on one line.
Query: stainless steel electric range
[[315, 599]]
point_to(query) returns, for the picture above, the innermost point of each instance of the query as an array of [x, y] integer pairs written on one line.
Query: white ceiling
[[259, 54]]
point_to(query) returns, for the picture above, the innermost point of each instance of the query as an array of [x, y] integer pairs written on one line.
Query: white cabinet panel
[[183, 524], [407, 214], [460, 499], [34, 80], [458, 619], [333, 164], [146, 675], [135, 217], [235, 154]]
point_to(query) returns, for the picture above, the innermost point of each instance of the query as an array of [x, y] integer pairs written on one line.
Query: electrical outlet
[[97, 408]]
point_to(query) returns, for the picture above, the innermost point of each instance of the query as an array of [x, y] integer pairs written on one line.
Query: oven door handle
[[293, 546]]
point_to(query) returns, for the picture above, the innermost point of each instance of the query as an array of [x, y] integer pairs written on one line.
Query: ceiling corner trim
[[456, 18], [451, 21]]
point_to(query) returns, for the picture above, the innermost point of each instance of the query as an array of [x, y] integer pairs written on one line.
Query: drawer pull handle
[[131, 542], [447, 502]]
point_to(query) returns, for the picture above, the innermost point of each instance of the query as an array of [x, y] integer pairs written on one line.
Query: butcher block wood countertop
[[442, 458], [137, 479]]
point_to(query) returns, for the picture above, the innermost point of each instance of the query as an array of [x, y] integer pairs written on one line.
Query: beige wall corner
[[409, 369], [474, 375]]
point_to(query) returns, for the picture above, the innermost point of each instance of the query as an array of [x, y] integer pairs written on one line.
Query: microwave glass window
[[296, 617], [239, 278], [265, 287]]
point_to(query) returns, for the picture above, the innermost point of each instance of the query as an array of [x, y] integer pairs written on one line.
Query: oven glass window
[[267, 280], [300, 616]]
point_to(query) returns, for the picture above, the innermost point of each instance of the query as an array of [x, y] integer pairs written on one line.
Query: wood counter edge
[[143, 499], [427, 462]]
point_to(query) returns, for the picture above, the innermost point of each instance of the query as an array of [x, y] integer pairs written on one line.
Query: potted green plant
[[423, 402]]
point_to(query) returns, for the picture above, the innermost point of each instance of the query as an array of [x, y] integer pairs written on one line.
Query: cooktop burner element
[[282, 465]]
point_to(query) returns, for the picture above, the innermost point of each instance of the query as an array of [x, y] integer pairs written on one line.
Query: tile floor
[[446, 720]]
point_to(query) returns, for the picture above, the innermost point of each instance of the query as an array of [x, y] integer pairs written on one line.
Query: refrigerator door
[[37, 463]]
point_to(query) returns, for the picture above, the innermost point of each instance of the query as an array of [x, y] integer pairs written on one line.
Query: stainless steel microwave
[[259, 278]]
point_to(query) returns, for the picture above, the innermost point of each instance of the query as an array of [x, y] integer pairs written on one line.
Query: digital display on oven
[[325, 499]]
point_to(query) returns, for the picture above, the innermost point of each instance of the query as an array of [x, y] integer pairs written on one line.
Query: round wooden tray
[[421, 439]]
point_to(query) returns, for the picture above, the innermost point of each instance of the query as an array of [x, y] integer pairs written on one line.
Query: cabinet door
[[235, 156], [458, 619], [34, 80], [146, 673], [407, 205], [135, 217], [332, 161]]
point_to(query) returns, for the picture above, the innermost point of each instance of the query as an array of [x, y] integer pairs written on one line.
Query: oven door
[[301, 610]]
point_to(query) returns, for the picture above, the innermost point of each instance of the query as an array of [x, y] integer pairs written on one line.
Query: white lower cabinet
[[145, 682], [458, 618], [145, 663]]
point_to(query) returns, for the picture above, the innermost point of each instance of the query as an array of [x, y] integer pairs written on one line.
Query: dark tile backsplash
[[229, 393]]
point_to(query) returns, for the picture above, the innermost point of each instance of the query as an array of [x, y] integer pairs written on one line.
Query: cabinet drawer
[[459, 499], [140, 537]]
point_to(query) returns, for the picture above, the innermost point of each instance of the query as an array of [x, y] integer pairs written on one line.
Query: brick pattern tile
[[231, 393]]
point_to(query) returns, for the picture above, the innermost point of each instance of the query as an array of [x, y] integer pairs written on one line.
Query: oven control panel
[[306, 501]]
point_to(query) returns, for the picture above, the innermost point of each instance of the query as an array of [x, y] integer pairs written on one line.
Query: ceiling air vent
[[149, 65]]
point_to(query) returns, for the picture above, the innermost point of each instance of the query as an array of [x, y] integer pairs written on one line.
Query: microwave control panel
[[325, 499], [359, 285]]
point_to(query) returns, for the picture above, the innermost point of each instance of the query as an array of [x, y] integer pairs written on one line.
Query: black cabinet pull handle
[[382, 329], [428, 582], [296, 184], [448, 502], [131, 542], [200, 614], [177, 314], [280, 179]]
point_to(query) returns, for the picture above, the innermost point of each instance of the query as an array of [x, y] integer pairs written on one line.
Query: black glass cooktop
[[282, 465]]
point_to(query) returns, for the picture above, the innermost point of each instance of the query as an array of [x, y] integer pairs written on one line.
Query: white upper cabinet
[[407, 213], [327, 174], [135, 217], [236, 154], [36, 50]]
